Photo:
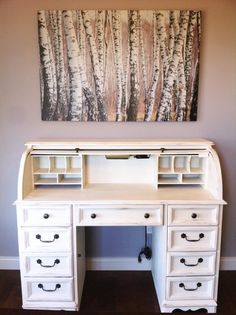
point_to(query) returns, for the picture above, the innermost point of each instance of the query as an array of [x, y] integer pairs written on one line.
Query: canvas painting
[[119, 65]]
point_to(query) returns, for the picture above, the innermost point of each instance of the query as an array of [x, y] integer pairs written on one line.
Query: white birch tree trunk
[[166, 100], [75, 111], [189, 62], [100, 33], [81, 37], [126, 72], [134, 66], [151, 95], [90, 109], [117, 39], [173, 32], [62, 103], [47, 69], [181, 99], [96, 66], [143, 57], [163, 40]]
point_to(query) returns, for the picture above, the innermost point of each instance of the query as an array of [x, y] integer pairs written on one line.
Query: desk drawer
[[46, 239], [193, 215], [121, 216], [190, 288], [47, 265], [45, 216], [191, 264], [48, 289], [192, 238]]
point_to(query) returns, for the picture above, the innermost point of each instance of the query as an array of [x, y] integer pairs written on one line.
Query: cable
[[146, 250]]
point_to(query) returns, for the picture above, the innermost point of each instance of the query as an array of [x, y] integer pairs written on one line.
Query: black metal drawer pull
[[201, 235], [46, 216], [93, 215], [200, 260], [55, 237], [194, 215], [56, 262], [146, 215], [57, 286], [182, 285]]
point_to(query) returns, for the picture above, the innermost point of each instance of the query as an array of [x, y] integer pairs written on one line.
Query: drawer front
[[121, 216], [45, 216], [191, 264], [192, 238], [46, 239], [190, 288], [47, 265], [48, 289], [193, 215]]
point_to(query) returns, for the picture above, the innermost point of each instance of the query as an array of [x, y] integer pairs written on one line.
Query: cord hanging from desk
[[146, 250]]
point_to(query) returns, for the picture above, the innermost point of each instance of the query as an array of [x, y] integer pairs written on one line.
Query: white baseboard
[[9, 262], [112, 263], [228, 263]]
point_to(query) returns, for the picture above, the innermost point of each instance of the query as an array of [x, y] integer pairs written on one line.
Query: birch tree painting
[[118, 65]]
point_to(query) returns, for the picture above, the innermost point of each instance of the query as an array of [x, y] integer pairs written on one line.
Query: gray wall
[[20, 109]]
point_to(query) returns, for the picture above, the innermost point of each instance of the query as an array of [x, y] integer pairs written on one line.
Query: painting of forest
[[119, 65]]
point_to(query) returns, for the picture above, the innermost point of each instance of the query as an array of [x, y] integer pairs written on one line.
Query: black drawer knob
[[146, 215], [46, 216], [93, 215], [194, 215]]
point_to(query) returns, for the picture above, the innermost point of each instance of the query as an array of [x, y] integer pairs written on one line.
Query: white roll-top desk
[[175, 186]]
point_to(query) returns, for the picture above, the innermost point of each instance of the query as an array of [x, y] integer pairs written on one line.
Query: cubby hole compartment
[[57, 164], [193, 179], [181, 164], [197, 164], [73, 164], [69, 179], [169, 179], [41, 164], [45, 179], [165, 164]]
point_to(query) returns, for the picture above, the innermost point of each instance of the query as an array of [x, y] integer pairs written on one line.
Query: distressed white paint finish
[[120, 186]]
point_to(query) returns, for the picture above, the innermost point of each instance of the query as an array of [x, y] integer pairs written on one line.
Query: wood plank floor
[[119, 292]]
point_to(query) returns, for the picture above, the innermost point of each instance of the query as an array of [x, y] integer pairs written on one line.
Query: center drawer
[[121, 216]]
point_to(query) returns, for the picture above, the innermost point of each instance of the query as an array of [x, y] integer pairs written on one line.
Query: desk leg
[[79, 262]]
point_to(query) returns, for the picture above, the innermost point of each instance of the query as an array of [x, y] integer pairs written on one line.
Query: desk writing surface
[[122, 194]]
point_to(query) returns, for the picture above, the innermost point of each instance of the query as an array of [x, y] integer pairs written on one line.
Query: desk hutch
[[175, 186]]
